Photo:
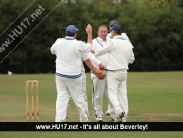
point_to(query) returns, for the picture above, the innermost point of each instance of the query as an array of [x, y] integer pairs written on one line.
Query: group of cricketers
[[111, 52]]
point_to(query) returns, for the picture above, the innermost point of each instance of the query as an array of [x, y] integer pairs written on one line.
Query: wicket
[[31, 86]]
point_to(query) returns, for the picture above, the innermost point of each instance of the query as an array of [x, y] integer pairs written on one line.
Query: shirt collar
[[69, 38], [117, 37], [100, 39]]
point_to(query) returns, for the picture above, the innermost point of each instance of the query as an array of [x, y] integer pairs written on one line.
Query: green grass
[[153, 97]]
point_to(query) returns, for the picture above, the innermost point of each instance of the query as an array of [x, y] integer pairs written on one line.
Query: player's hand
[[101, 66], [100, 74], [93, 51], [88, 29]]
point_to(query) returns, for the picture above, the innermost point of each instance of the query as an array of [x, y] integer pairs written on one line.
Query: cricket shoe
[[124, 119], [108, 112], [98, 119], [67, 117], [114, 119], [120, 116]]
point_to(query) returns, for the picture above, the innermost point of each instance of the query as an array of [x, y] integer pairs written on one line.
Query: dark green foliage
[[154, 28]]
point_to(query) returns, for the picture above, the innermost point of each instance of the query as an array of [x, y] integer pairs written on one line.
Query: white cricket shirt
[[120, 53], [68, 53]]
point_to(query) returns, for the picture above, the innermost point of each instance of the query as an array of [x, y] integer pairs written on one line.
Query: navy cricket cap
[[117, 28], [71, 29], [113, 22]]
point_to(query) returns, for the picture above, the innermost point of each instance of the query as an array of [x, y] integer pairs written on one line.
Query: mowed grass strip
[[153, 97]]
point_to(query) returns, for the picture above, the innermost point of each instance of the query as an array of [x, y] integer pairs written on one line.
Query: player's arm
[[89, 32], [100, 74], [89, 64], [52, 49], [86, 59], [132, 57], [126, 37], [90, 60], [93, 59], [98, 52], [87, 47], [96, 61]]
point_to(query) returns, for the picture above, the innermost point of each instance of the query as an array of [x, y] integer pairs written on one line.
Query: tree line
[[29, 28]]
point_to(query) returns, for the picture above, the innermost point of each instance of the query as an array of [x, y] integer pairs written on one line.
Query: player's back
[[68, 56], [120, 55]]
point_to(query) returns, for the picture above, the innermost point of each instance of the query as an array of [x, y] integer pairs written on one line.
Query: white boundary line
[[17, 18], [30, 32]]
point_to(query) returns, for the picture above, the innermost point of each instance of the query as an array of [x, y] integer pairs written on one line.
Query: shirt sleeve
[[108, 47], [132, 57], [94, 59], [126, 37], [85, 47], [85, 56], [53, 48]]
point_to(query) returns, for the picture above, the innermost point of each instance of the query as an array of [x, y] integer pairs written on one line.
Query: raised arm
[[89, 32], [87, 47]]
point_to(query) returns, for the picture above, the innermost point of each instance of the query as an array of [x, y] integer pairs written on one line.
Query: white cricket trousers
[[67, 87], [99, 86], [117, 91], [84, 93]]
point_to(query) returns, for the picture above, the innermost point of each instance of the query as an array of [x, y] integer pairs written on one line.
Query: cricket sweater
[[68, 53]]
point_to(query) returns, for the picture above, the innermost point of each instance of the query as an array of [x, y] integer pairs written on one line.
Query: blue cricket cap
[[117, 28], [71, 29]]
